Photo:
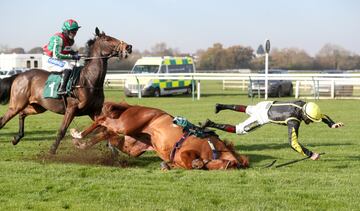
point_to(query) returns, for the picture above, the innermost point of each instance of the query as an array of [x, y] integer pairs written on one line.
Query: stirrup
[[62, 92], [205, 124]]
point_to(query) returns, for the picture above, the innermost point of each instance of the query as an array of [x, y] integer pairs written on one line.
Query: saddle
[[53, 82], [191, 129]]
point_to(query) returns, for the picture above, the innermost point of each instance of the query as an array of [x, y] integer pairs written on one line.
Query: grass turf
[[30, 178]]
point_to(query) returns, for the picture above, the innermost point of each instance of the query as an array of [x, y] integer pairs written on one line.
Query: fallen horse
[[134, 129]]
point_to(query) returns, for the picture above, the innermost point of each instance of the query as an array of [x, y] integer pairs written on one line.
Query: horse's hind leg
[[30, 110], [21, 129], [10, 113]]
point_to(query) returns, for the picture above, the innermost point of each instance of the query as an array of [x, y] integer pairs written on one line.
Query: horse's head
[[111, 47], [229, 153]]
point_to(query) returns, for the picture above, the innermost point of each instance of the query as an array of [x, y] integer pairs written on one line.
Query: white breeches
[[55, 65], [258, 116]]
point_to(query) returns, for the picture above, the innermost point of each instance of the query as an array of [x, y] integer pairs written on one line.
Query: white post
[[297, 89], [267, 50], [333, 89], [266, 74], [198, 89], [139, 87]]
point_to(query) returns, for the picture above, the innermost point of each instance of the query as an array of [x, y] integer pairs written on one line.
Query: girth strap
[[215, 154], [178, 145]]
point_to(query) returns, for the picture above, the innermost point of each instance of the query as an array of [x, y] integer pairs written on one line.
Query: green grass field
[[30, 178]]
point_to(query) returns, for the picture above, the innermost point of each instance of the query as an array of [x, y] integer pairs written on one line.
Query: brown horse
[[25, 91], [145, 128]]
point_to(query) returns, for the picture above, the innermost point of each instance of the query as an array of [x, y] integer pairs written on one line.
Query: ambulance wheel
[[157, 92], [189, 90]]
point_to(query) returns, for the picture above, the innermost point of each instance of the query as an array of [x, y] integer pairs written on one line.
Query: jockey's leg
[[248, 125], [224, 127], [65, 78], [238, 108]]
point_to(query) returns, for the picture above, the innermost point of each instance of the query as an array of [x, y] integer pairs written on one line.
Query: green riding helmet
[[70, 25]]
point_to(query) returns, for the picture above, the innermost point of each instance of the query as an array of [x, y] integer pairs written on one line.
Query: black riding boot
[[64, 80], [239, 108], [224, 127]]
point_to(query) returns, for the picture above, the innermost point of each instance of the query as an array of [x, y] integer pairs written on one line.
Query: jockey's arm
[[57, 49], [293, 129], [327, 120]]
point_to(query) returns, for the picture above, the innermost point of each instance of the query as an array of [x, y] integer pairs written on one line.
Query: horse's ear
[[97, 31], [103, 33]]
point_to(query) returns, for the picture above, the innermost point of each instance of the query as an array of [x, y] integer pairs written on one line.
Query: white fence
[[305, 85]]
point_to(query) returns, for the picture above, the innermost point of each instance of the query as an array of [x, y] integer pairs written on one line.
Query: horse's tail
[[5, 89]]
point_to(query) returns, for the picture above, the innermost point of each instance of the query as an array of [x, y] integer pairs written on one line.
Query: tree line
[[217, 57]]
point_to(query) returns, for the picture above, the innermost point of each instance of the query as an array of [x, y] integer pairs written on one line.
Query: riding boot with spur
[[224, 127], [239, 108], [64, 81]]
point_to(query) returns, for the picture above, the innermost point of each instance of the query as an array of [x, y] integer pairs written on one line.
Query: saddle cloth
[[52, 84]]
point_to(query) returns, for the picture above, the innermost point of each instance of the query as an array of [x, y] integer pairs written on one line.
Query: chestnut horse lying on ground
[[145, 128]]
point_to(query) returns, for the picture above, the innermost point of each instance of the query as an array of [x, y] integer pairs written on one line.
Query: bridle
[[115, 52]]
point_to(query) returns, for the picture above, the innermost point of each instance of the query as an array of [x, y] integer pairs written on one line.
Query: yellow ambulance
[[159, 87]]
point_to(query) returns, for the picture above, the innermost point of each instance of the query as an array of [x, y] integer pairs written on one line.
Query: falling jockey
[[284, 113], [58, 52]]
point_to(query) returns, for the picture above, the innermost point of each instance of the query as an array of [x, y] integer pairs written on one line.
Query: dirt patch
[[101, 155]]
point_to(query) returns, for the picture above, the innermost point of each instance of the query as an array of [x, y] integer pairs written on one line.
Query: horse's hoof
[[52, 150], [14, 142], [164, 166], [197, 164], [75, 134]]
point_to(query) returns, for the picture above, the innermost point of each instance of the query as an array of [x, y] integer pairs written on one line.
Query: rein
[[178, 145], [100, 57], [117, 49]]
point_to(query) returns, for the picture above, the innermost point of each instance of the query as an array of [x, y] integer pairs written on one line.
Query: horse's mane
[[244, 160], [230, 145], [88, 47], [114, 110]]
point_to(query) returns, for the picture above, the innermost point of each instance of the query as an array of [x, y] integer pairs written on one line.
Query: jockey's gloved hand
[[74, 52], [337, 125], [76, 57]]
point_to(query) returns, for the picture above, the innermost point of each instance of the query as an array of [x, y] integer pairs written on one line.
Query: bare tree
[[38, 50], [332, 56]]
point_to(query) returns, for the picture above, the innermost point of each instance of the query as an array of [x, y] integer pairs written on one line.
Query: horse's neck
[[95, 71]]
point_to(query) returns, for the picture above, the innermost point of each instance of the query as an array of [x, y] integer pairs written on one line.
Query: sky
[[187, 25]]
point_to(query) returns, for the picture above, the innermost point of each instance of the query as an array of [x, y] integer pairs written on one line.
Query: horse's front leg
[[101, 135], [185, 159], [79, 135], [220, 164], [68, 117]]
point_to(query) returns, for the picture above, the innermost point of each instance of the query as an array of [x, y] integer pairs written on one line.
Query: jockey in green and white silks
[[58, 53]]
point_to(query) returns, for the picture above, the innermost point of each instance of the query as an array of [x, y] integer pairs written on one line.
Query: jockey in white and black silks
[[58, 52], [290, 114]]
